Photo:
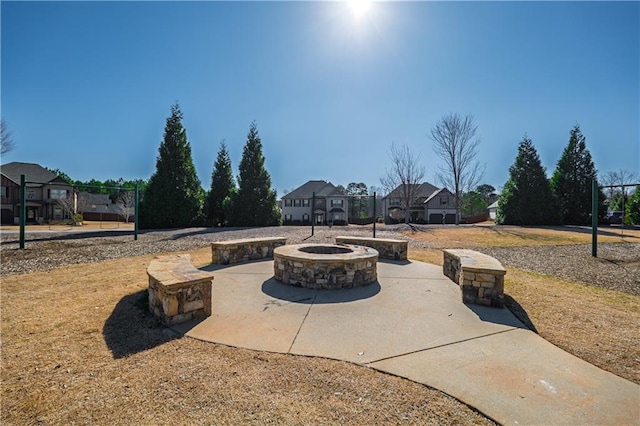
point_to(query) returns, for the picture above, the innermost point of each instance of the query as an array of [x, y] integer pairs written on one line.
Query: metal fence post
[[23, 208], [594, 218], [135, 214], [375, 215]]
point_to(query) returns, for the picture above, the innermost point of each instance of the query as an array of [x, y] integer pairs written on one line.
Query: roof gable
[[319, 187], [33, 173], [423, 190]]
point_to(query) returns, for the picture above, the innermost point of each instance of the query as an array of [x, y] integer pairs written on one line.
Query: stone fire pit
[[325, 266]]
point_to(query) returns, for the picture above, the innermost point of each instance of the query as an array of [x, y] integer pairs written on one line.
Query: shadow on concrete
[[520, 313], [131, 328], [394, 262], [496, 315], [212, 267], [277, 290]]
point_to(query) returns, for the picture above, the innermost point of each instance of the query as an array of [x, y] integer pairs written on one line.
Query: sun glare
[[359, 8]]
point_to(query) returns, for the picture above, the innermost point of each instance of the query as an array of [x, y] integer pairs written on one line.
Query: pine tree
[[173, 197], [255, 202], [526, 198], [222, 187], [572, 180]]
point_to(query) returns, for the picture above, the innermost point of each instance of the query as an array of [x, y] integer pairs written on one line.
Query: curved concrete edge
[[414, 325]]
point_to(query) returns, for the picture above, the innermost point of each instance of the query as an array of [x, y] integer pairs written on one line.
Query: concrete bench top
[[474, 261], [171, 270], [248, 241], [370, 239]]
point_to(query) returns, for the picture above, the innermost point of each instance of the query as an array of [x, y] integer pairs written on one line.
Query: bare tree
[[406, 174], [126, 204], [455, 142], [6, 138], [69, 204]]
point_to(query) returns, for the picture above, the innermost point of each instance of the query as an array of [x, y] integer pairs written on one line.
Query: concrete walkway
[[413, 324]]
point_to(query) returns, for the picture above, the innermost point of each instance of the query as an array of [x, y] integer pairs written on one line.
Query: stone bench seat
[[236, 251], [178, 292], [387, 248], [480, 277]]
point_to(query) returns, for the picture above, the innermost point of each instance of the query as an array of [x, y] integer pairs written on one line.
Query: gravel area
[[617, 267]]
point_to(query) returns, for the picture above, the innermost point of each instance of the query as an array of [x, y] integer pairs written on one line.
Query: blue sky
[[87, 86]]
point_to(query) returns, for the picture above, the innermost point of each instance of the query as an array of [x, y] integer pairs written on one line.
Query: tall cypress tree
[[526, 198], [255, 203], [571, 182], [222, 187], [173, 197]]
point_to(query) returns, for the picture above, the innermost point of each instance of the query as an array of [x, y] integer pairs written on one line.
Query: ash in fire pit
[[326, 249], [325, 266]]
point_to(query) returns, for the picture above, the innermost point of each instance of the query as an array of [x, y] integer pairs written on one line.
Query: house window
[[287, 202], [444, 201], [3, 191], [394, 202], [297, 203], [305, 217], [305, 203], [58, 194], [31, 194], [287, 218], [335, 203], [57, 212]]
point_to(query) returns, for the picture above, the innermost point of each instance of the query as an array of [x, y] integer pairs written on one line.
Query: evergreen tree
[[633, 208], [526, 198], [255, 202], [572, 180], [173, 197], [222, 187]]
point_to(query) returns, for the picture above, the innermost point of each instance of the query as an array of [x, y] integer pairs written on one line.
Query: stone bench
[[480, 277], [387, 249], [235, 251], [178, 292]]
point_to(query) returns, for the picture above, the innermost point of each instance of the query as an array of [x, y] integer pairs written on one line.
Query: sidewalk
[[413, 324]]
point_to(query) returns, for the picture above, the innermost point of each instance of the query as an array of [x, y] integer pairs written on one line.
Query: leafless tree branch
[[6, 138], [455, 142], [405, 172]]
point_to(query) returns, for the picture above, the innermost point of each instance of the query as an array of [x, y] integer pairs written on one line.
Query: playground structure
[[594, 211]]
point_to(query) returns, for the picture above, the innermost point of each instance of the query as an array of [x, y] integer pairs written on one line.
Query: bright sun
[[359, 8]]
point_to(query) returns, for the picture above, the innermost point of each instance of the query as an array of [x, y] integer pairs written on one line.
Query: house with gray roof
[[315, 200], [430, 204], [49, 197]]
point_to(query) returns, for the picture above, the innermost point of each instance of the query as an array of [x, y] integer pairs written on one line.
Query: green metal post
[[375, 216], [594, 218], [313, 216], [23, 208], [135, 214]]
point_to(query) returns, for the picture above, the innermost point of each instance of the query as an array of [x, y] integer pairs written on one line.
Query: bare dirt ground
[[79, 346]]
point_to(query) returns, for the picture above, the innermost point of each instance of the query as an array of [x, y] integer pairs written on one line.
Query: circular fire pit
[[325, 266]]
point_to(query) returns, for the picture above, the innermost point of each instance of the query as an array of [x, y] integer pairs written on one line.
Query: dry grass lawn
[[78, 346]]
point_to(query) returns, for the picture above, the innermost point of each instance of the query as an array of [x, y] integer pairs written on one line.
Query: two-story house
[[49, 197], [316, 200], [429, 204]]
